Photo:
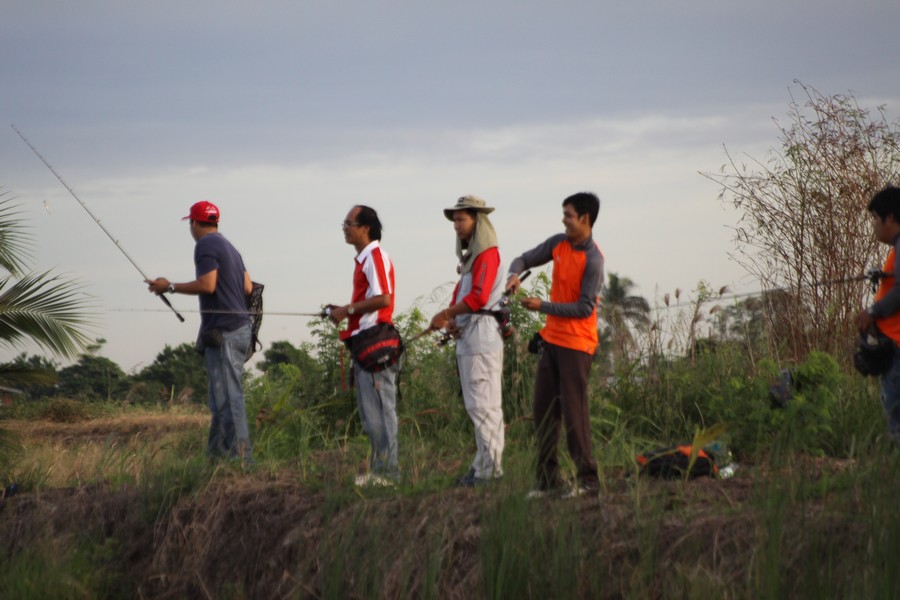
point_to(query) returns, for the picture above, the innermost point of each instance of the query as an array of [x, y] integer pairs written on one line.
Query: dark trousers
[[561, 394]]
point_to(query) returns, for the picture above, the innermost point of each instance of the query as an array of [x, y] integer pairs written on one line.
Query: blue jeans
[[890, 397], [376, 397], [228, 433]]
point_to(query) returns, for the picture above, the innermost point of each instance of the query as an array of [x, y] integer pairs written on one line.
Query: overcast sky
[[285, 114]]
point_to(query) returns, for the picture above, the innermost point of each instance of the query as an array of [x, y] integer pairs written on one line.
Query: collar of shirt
[[366, 252], [585, 244]]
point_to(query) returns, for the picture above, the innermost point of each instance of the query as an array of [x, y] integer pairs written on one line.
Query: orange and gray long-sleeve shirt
[[886, 309], [574, 290]]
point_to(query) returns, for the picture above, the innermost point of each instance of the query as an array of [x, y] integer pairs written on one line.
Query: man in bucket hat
[[222, 284], [479, 344]]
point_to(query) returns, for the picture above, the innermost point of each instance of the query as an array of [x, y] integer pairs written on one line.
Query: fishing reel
[[874, 276], [446, 338], [503, 315]]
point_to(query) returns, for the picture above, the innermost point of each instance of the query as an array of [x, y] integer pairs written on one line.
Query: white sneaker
[[579, 491], [535, 494], [372, 480]]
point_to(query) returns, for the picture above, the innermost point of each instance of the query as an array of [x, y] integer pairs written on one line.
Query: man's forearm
[[370, 304]]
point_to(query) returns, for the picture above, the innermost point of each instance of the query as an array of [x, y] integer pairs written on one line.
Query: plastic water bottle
[[727, 471]]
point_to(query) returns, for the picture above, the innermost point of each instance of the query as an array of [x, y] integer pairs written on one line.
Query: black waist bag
[[875, 353], [376, 348], [211, 338]]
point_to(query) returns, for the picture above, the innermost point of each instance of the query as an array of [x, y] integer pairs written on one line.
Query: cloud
[[660, 224]]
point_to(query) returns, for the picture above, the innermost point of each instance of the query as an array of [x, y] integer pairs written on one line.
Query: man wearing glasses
[[372, 303]]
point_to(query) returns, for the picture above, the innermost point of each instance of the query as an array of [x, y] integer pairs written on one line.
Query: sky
[[286, 114]]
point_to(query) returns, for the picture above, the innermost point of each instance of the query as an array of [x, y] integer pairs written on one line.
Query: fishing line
[[226, 312], [872, 276], [94, 217]]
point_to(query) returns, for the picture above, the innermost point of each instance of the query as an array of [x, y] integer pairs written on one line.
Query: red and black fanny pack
[[376, 348]]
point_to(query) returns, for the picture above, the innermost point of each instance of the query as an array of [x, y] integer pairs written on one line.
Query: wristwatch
[[350, 309], [171, 288]]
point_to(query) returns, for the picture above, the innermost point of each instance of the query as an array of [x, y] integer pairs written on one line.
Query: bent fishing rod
[[94, 217]]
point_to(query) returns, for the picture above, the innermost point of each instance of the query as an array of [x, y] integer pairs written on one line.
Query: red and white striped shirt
[[373, 276]]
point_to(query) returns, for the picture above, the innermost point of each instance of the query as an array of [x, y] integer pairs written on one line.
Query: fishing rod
[[321, 314], [500, 304], [419, 335], [94, 217], [873, 276]]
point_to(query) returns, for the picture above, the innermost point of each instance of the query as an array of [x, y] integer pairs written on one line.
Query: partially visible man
[[222, 284], [885, 312], [371, 303], [569, 342]]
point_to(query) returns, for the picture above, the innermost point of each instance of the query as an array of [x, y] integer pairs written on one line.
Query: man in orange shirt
[[569, 342], [885, 312]]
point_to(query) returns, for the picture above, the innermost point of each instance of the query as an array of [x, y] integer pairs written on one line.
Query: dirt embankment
[[270, 538], [269, 535]]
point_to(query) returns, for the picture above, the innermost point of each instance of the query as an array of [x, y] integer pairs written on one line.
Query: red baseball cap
[[203, 212]]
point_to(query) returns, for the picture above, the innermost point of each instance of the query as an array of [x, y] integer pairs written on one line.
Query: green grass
[[811, 512]]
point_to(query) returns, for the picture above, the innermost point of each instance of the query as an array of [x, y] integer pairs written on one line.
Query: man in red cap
[[222, 284]]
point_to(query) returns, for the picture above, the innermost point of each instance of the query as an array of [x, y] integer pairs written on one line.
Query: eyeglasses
[[345, 224]]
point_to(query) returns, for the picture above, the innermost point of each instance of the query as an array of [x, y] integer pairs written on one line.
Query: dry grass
[[147, 424], [279, 534], [101, 449]]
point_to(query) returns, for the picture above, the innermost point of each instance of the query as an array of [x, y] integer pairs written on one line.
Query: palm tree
[[621, 313], [37, 307]]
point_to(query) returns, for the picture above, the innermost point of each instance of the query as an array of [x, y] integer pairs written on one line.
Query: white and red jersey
[[373, 276], [480, 288]]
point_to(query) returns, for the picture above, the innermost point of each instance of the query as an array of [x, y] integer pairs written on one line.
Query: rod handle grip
[[169, 304]]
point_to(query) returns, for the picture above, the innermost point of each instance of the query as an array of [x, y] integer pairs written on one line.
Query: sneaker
[[537, 493], [470, 480], [467, 480], [487, 481], [579, 491], [372, 480], [545, 489]]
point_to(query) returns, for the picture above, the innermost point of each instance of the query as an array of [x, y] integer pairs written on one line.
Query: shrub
[[63, 410]]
